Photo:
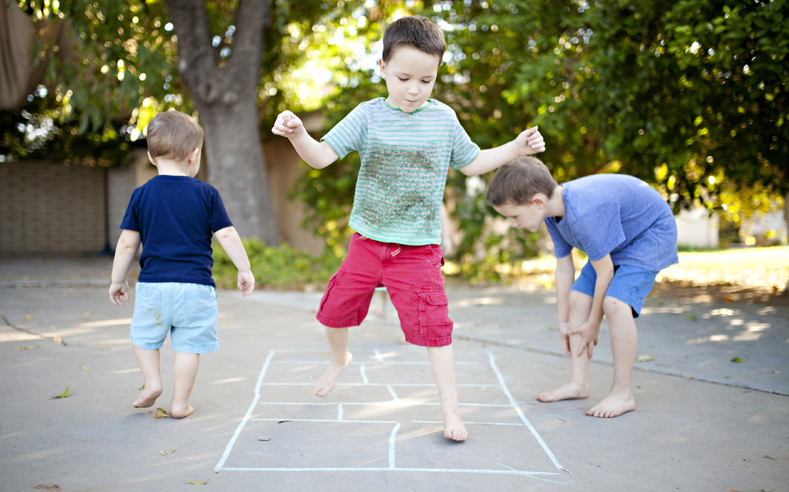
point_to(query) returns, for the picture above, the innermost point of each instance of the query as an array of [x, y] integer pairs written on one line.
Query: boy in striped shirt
[[407, 142]]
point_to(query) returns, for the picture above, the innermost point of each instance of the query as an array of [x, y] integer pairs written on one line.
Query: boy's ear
[[193, 155], [151, 159], [539, 200], [382, 66]]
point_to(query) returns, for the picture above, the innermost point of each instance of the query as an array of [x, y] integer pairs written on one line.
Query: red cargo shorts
[[412, 277]]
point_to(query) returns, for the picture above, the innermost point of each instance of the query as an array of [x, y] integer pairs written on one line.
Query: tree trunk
[[225, 95]]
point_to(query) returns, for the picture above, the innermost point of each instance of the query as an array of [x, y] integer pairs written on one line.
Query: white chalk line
[[392, 437], [421, 385], [363, 373], [531, 474], [520, 413], [469, 423], [378, 361], [392, 392], [398, 402], [339, 411], [248, 414], [329, 421]]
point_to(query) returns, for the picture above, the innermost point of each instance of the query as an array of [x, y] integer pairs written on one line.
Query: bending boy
[[174, 216], [629, 234], [407, 142]]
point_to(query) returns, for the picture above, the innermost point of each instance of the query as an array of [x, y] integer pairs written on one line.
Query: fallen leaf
[[728, 300], [264, 438], [737, 360], [775, 289], [29, 347], [47, 487], [645, 358], [85, 368], [28, 316], [63, 395], [166, 452], [308, 377], [142, 387], [282, 421], [196, 482], [776, 372], [85, 314], [160, 412], [57, 339], [325, 354], [691, 317]]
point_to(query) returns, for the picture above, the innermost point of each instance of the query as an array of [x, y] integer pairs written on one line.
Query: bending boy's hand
[[119, 292], [588, 332], [287, 125], [246, 283], [564, 331], [530, 142]]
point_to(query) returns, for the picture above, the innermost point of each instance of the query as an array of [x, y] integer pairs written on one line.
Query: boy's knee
[[613, 307]]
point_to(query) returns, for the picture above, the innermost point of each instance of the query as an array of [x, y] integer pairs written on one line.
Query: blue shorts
[[630, 285], [187, 311]]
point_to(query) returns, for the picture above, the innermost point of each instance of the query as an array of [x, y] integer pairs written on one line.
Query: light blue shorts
[[187, 311], [630, 285]]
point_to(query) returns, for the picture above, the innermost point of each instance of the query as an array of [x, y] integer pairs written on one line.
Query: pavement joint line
[[521, 415], [610, 364], [24, 330], [21, 284]]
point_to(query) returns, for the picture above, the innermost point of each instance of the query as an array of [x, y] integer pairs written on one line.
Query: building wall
[[52, 208], [697, 228]]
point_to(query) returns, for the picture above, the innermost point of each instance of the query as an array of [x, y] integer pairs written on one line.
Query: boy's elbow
[[225, 233]]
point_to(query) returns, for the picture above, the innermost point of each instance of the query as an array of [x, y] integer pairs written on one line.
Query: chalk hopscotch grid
[[395, 401]]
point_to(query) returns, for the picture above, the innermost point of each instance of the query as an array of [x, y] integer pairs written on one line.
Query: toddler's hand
[[119, 292], [246, 283], [287, 125], [530, 141]]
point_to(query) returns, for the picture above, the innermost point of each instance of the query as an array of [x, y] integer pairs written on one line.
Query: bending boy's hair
[[519, 180], [415, 31], [173, 135]]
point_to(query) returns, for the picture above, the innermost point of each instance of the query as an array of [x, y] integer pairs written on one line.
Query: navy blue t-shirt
[[176, 217]]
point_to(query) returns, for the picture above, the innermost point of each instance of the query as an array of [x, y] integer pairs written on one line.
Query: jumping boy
[[629, 234], [174, 216], [407, 142]]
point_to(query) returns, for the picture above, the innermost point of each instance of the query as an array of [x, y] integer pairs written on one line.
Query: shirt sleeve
[[217, 217], [560, 246], [131, 220], [464, 151], [350, 134], [600, 231]]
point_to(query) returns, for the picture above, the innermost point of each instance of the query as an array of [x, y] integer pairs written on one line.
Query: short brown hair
[[415, 31], [519, 180], [173, 135]]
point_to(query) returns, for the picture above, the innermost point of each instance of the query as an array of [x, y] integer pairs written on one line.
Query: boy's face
[[525, 216], [410, 75]]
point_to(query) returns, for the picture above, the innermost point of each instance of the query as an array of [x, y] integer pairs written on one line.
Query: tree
[[140, 57]]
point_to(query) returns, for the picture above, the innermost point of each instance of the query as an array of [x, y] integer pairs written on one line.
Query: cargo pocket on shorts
[[434, 319], [333, 281]]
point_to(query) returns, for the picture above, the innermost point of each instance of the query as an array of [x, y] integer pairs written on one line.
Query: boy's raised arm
[[124, 255], [526, 143], [317, 154], [231, 242]]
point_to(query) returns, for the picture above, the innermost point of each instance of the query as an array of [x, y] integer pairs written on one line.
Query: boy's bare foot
[[179, 412], [613, 405], [325, 384], [148, 397], [454, 428], [569, 391]]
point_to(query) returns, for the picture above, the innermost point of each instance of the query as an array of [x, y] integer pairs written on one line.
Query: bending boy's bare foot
[[569, 391], [613, 405], [325, 384], [179, 412], [454, 428], [148, 397]]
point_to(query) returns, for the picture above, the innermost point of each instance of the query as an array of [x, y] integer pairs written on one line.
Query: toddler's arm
[[231, 242], [124, 255], [528, 142], [317, 154], [565, 275]]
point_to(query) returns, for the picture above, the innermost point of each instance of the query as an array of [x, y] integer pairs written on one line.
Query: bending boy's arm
[[231, 242], [317, 154], [124, 255], [528, 142], [565, 275], [604, 268]]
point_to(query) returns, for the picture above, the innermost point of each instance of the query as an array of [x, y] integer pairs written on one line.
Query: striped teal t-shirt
[[405, 159]]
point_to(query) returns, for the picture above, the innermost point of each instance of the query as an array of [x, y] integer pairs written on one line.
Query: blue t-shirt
[[176, 217], [618, 215]]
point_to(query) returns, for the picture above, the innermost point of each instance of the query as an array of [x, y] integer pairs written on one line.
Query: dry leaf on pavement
[[166, 452], [63, 395], [195, 482], [161, 412]]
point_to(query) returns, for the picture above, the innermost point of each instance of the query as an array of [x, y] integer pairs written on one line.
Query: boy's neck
[[172, 168], [555, 206]]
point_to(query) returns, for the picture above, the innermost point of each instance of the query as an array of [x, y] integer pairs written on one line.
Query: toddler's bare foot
[[454, 428], [148, 397], [179, 412], [325, 384], [569, 391], [614, 405]]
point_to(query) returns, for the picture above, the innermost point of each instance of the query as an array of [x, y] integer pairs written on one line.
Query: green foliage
[[278, 268]]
